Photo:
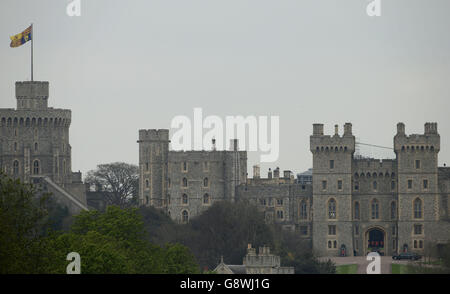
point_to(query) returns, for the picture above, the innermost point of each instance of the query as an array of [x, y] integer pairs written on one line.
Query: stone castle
[[344, 205], [34, 145]]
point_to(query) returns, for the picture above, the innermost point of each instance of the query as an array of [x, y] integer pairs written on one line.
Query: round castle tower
[[34, 138]]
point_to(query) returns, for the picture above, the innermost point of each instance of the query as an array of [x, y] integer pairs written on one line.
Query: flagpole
[[32, 38]]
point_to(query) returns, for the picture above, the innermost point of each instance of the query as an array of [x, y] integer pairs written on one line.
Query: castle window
[[332, 209], [205, 182], [417, 229], [185, 182], [16, 167], [15, 146], [36, 167], [339, 184], [185, 217], [206, 199], [393, 185], [356, 186], [425, 184], [146, 166], [303, 210], [356, 229], [36, 146], [375, 185], [146, 199], [409, 184], [356, 213], [324, 185], [168, 199], [393, 210], [420, 244], [184, 199], [147, 184], [64, 167], [417, 164], [375, 209], [418, 208], [332, 230], [331, 164], [415, 244], [184, 166], [279, 214], [332, 244], [394, 230], [279, 202]]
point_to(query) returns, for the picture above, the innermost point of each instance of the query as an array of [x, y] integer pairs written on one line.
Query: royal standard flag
[[21, 38]]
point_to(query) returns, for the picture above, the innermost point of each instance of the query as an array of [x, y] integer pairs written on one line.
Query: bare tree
[[118, 181]]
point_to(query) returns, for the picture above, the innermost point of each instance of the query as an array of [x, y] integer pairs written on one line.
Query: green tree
[[118, 180]]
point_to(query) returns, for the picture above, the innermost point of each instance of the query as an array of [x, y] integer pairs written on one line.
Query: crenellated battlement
[[336, 143], [427, 142], [33, 117], [154, 135]]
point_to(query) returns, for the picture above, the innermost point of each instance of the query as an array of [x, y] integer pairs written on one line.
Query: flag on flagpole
[[21, 38]]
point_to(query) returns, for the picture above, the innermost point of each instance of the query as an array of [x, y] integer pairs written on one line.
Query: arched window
[[185, 182], [36, 146], [206, 199], [16, 167], [375, 209], [303, 210], [205, 182], [185, 216], [332, 209], [147, 183], [393, 210], [184, 199], [356, 215], [36, 167], [418, 208]]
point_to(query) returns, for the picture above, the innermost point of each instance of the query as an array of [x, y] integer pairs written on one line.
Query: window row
[[375, 209]]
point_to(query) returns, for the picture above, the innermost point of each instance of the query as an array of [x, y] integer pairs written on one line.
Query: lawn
[[347, 269], [399, 268]]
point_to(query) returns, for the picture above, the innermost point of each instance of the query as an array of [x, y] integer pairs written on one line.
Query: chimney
[[276, 173], [287, 174], [256, 172]]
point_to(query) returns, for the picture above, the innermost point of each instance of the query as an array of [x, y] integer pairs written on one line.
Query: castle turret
[[32, 95], [418, 202], [332, 188], [153, 166]]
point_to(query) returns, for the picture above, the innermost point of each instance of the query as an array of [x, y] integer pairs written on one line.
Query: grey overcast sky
[[128, 65]]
